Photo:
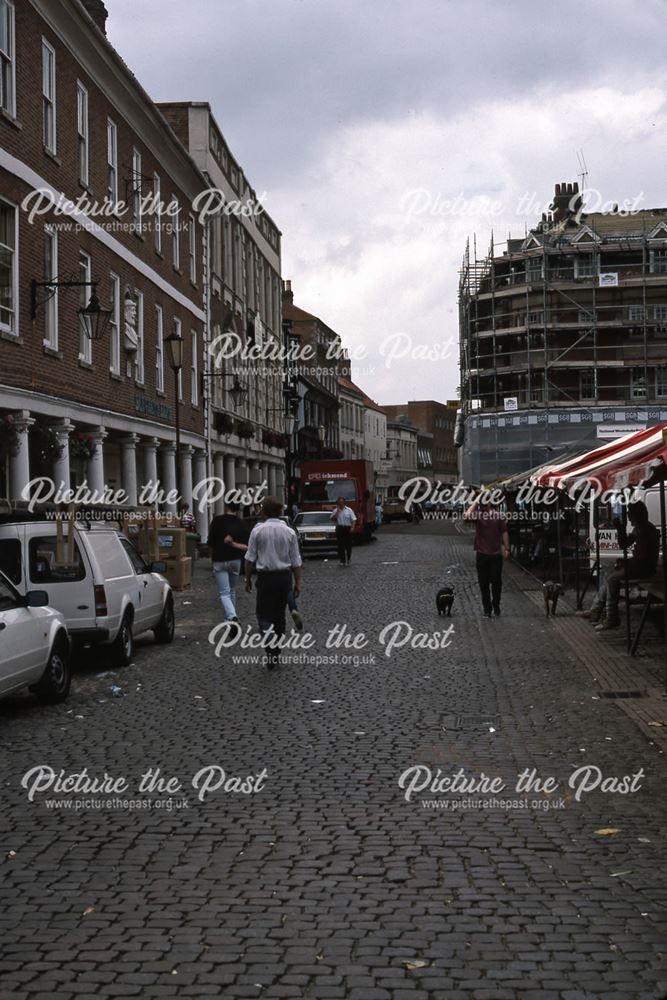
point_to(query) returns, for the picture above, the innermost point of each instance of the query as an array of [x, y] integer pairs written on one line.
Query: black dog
[[444, 600], [552, 592]]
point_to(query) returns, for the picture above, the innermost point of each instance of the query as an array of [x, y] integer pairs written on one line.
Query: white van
[[106, 593]]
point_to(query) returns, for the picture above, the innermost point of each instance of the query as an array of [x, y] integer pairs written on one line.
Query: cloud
[[342, 111]]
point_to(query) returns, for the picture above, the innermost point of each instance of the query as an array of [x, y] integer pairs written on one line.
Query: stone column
[[19, 464], [61, 464], [203, 516], [168, 481], [219, 462], [230, 473], [150, 446], [187, 452], [273, 479], [128, 466], [254, 473], [95, 470], [241, 473]]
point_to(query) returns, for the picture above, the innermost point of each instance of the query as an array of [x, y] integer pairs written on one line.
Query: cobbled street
[[327, 883]]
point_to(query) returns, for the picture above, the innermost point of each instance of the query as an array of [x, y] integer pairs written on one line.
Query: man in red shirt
[[492, 544]]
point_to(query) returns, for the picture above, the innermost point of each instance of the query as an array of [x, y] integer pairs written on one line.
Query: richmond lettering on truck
[[324, 481]]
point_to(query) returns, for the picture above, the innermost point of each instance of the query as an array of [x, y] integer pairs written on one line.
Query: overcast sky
[[359, 119]]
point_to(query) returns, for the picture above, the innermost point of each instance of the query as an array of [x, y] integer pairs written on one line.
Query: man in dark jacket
[[228, 538], [644, 539]]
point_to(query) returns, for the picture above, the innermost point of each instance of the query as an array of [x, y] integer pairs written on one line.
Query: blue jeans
[[227, 574]]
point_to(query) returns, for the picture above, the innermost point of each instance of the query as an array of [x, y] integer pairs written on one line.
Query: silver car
[[315, 530]]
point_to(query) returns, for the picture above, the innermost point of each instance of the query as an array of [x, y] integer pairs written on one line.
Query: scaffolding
[[572, 315]]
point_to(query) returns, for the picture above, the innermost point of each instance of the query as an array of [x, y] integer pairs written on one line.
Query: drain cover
[[622, 694], [459, 723]]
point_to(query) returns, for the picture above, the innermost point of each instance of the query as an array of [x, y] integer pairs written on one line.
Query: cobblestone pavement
[[327, 883]]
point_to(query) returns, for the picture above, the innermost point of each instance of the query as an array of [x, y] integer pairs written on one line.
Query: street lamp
[[93, 318], [237, 392], [174, 347]]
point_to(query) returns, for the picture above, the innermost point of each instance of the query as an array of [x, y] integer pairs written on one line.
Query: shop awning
[[626, 462]]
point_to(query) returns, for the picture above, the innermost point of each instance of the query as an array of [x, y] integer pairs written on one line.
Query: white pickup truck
[[104, 590]]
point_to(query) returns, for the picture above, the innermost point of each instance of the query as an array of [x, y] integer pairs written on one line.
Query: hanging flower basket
[[48, 446], [223, 423], [81, 446], [9, 436], [245, 429], [274, 439]]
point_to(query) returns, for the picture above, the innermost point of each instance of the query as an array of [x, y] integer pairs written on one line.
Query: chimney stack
[[567, 201], [288, 294], [97, 12]]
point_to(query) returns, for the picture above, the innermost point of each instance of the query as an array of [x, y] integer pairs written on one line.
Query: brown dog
[[552, 592]]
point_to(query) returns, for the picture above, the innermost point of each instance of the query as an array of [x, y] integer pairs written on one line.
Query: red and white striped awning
[[626, 462]]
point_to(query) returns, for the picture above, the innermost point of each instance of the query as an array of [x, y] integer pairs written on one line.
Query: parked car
[[34, 645], [393, 509], [107, 594], [315, 530]]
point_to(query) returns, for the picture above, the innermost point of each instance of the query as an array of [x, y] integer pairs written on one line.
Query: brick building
[[435, 421], [322, 361], [76, 123], [247, 429]]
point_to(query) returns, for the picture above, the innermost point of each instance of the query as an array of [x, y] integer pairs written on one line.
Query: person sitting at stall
[[644, 539]]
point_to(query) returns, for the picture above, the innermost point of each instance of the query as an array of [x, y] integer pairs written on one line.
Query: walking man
[[273, 551], [227, 537], [491, 544], [344, 519]]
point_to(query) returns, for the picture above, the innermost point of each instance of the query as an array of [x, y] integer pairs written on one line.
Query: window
[[588, 384], [537, 389], [159, 349], [194, 389], [136, 188], [177, 331], [85, 346], [112, 162], [82, 130], [175, 235], [114, 324], [535, 318], [584, 316], [658, 261], [9, 597], [51, 274], [43, 561], [638, 384], [49, 96], [10, 559], [140, 338], [636, 314], [584, 265], [157, 214], [7, 87], [534, 268], [138, 564], [8, 276], [192, 248], [661, 381]]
